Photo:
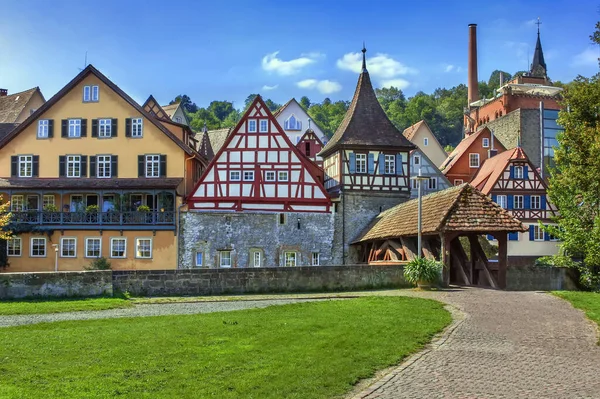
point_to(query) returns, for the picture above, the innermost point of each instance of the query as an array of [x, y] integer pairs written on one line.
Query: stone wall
[[55, 284], [243, 233], [534, 278], [257, 280], [506, 128]]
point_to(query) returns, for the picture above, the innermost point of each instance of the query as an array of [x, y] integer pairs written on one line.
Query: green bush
[[92, 209], [99, 264], [50, 208], [556, 261], [143, 208], [422, 270]]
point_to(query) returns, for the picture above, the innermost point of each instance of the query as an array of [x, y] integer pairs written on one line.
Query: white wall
[[301, 115], [429, 170]]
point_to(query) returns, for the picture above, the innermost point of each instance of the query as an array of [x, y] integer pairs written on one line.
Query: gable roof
[[365, 122], [284, 106], [170, 109], [152, 106], [410, 131], [216, 137], [307, 133], [76, 80], [463, 147], [430, 162], [12, 105], [493, 168], [206, 149], [458, 208]]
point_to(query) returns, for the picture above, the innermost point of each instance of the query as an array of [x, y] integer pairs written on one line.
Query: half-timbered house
[[310, 145], [421, 164]]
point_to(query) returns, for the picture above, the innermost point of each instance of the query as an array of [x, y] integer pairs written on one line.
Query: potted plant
[[423, 272], [50, 214], [145, 215], [92, 213]]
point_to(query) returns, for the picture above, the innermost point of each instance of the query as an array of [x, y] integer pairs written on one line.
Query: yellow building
[[421, 135], [91, 173]]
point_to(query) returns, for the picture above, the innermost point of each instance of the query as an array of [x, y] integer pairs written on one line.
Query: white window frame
[[252, 125], [75, 161], [63, 240], [256, 256], [137, 127], [415, 184], [458, 182], [112, 247], [152, 165], [74, 130], [31, 247], [501, 200], [17, 203], [48, 199], [538, 233], [297, 123], [537, 199], [235, 175], [103, 166], [95, 93], [248, 175], [473, 157], [27, 162], [43, 128], [178, 119], [416, 160], [389, 164], [518, 175], [104, 128], [87, 94], [433, 186], [281, 174], [425, 141], [138, 244], [14, 253], [315, 259], [289, 260], [521, 202], [265, 128], [361, 163], [201, 263], [225, 256], [269, 173], [87, 247], [485, 142]]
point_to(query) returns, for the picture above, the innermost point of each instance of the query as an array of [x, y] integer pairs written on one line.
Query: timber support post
[[502, 259]]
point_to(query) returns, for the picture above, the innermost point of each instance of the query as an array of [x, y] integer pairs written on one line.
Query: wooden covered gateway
[[446, 216]]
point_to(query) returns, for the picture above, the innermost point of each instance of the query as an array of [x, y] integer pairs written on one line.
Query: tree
[[305, 103], [386, 96], [186, 103], [249, 100], [221, 109], [202, 117], [494, 80], [273, 106]]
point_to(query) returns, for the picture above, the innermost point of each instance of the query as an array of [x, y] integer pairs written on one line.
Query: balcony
[[109, 219]]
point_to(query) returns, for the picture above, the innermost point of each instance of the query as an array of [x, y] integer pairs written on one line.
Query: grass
[[589, 302], [305, 350], [39, 306]]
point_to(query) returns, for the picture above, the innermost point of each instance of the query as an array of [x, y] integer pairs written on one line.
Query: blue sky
[[225, 50]]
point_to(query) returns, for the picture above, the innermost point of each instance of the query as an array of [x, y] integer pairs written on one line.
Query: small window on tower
[[307, 149], [282, 218]]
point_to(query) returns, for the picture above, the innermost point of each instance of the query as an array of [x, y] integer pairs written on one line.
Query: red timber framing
[[259, 169], [310, 145]]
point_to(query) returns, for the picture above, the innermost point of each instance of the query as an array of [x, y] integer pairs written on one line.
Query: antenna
[[85, 63]]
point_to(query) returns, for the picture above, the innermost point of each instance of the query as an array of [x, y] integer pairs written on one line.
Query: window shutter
[[62, 167], [380, 161], [490, 237], [495, 198], [163, 166], [526, 172], [50, 128], [527, 200], [513, 236], [64, 132], [399, 165], [36, 166], [14, 166], [83, 166], [546, 236], [113, 128], [141, 166], [543, 202], [352, 166], [114, 164], [512, 172], [370, 163], [83, 127], [509, 202], [128, 127], [94, 127], [92, 166], [531, 238]]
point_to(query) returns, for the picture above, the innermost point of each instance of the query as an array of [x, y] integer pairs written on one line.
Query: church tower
[[538, 65]]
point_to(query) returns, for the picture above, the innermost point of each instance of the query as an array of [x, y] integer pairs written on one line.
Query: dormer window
[[292, 123], [91, 94]]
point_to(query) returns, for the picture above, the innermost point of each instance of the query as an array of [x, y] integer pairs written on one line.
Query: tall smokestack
[[472, 81]]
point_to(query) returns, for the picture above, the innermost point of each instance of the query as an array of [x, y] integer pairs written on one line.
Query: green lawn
[[34, 306], [589, 302], [304, 350]]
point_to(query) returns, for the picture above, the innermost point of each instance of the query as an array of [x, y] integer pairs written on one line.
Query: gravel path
[[145, 311]]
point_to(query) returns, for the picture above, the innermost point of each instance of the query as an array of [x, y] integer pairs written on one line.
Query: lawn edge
[[595, 324]]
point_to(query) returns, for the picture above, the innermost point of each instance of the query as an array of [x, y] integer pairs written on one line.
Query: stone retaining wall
[[534, 278], [55, 284]]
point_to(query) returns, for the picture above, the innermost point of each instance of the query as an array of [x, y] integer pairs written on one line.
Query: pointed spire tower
[[367, 152], [205, 146], [538, 66]]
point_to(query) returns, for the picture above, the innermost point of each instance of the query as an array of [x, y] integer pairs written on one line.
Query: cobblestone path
[[502, 345]]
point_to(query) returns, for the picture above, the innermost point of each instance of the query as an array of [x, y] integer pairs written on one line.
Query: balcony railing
[[94, 218]]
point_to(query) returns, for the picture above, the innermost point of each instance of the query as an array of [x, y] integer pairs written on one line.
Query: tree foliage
[[186, 103]]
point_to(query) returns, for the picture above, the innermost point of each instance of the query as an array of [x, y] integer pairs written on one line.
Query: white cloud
[[397, 83], [449, 68], [324, 86], [529, 23], [588, 57], [381, 65], [267, 88], [271, 63]]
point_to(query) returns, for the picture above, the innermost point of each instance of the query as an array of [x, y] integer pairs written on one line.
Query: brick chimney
[[473, 93], [3, 92]]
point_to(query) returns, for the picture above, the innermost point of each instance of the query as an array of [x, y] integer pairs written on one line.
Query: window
[[38, 247], [103, 166], [252, 126], [536, 202], [143, 248], [104, 127], [361, 163], [74, 127], [518, 172], [474, 160], [269, 175], [136, 127], [256, 259], [550, 131], [282, 218], [390, 164], [48, 201], [118, 247], [199, 258], [95, 93], [283, 175], [248, 176], [292, 123], [25, 165], [17, 203], [68, 247], [264, 125], [42, 132], [13, 246], [77, 204], [289, 259], [417, 160], [235, 175], [501, 200], [315, 259], [425, 141], [433, 183], [518, 202], [33, 202], [485, 142], [91, 93], [538, 233], [307, 149], [415, 184], [93, 247], [225, 258], [458, 182], [152, 165], [178, 119], [73, 166]]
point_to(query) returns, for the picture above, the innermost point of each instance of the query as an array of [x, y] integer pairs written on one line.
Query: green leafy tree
[[221, 109], [305, 103], [202, 117], [186, 103], [273, 106], [494, 80]]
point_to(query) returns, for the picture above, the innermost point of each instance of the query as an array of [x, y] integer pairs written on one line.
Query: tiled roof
[[6, 128], [217, 138], [462, 148], [152, 106], [461, 209], [410, 131], [12, 105], [492, 169], [205, 146], [170, 109], [284, 106], [365, 122], [90, 183]]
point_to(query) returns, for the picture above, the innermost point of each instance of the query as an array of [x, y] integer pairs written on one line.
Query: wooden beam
[[473, 240], [427, 249], [459, 266], [502, 260], [458, 252], [398, 248], [445, 258], [485, 264], [409, 248]]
